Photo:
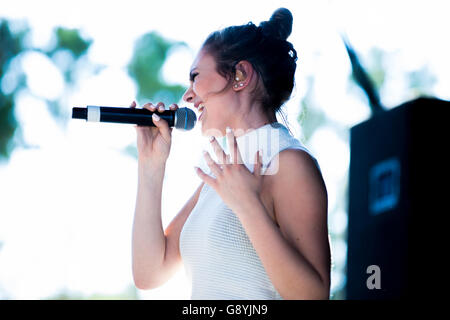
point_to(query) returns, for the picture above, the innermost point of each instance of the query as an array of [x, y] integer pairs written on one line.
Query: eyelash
[[192, 78]]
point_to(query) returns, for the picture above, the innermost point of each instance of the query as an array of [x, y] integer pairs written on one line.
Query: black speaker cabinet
[[398, 202]]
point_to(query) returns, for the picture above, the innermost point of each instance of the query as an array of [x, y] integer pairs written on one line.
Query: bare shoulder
[[294, 166], [296, 181]]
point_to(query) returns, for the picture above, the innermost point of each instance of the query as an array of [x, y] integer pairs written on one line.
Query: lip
[[198, 104]]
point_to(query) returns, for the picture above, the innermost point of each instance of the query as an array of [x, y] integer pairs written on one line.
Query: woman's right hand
[[153, 143]]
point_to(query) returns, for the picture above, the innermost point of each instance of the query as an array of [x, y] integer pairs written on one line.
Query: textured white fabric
[[217, 253]]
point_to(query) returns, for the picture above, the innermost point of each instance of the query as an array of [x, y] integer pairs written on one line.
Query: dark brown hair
[[266, 48]]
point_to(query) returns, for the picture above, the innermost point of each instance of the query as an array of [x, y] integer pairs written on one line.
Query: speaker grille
[[185, 119]]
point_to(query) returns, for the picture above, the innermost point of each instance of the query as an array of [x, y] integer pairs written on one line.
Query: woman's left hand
[[234, 183]]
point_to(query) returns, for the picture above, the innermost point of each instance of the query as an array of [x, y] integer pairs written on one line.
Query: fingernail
[[228, 129], [211, 139], [155, 117]]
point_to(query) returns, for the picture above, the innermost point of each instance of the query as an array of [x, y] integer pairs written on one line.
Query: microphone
[[182, 118]]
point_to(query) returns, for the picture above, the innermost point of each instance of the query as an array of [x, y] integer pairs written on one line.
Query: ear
[[243, 76]]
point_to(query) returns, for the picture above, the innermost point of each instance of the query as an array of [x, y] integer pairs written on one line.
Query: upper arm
[[172, 233], [300, 205]]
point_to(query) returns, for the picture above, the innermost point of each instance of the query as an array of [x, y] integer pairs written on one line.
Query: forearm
[[148, 241], [291, 274]]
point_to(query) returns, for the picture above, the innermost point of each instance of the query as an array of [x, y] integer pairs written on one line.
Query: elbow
[[145, 283], [317, 291], [321, 295], [321, 291], [146, 280], [146, 277], [145, 274], [320, 288], [141, 285], [141, 282]]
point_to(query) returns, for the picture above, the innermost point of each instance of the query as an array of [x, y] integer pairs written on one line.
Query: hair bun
[[279, 25]]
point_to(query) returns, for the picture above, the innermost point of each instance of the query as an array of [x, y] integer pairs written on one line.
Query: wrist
[[249, 207], [151, 171]]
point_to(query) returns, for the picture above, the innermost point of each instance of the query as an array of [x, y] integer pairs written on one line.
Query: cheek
[[209, 86], [197, 88]]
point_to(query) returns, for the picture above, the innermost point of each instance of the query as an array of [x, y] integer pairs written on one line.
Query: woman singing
[[256, 227]]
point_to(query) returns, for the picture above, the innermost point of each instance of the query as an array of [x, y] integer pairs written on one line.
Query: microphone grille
[[185, 119]]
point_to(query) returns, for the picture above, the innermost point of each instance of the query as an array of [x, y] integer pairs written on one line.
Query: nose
[[188, 96]]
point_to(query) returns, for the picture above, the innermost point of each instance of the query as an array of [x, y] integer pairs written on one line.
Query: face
[[208, 96]]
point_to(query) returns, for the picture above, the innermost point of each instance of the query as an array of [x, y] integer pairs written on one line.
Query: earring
[[239, 75]]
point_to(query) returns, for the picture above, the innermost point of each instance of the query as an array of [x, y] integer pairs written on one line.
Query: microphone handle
[[141, 117]]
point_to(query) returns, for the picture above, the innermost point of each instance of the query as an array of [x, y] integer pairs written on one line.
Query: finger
[[163, 127], [173, 106], [233, 147], [212, 164], [206, 178], [160, 106], [221, 155], [258, 163], [149, 106]]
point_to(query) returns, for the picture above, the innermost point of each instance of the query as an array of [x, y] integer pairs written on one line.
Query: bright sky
[[66, 208]]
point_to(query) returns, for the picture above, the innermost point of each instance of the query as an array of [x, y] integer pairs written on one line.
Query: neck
[[254, 118]]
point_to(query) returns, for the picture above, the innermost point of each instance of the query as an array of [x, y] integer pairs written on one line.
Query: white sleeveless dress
[[217, 253]]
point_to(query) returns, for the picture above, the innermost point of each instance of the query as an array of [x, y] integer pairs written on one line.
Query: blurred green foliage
[[10, 46], [13, 45], [145, 67], [8, 125], [71, 40], [68, 53]]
